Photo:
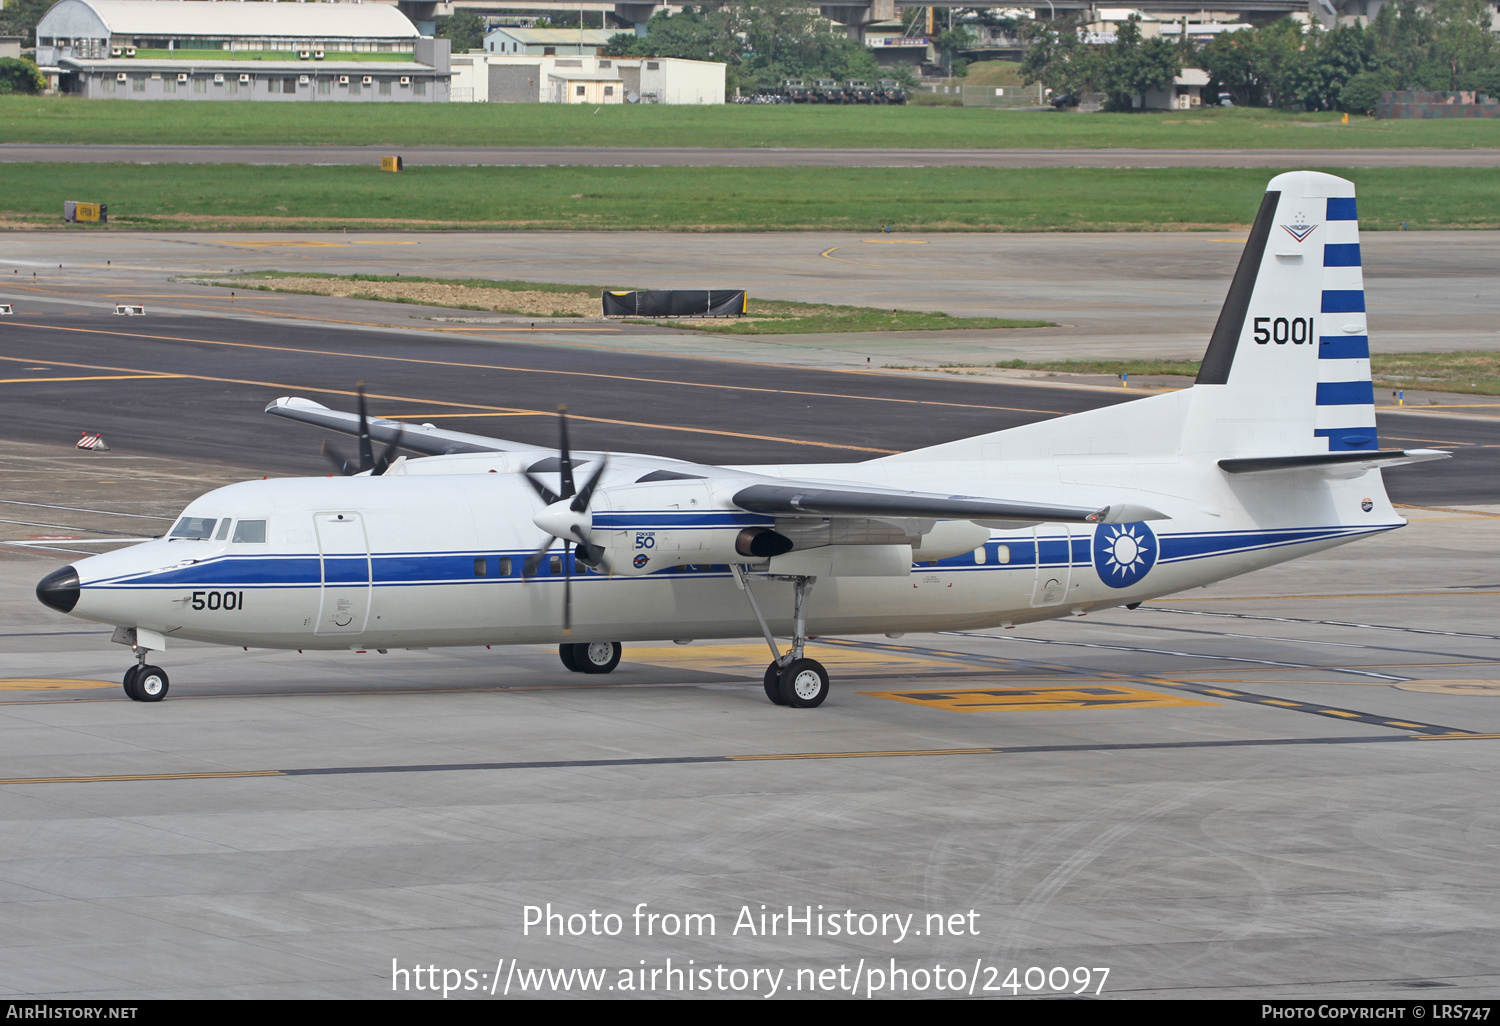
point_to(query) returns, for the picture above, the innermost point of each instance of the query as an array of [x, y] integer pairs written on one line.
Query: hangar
[[178, 49]]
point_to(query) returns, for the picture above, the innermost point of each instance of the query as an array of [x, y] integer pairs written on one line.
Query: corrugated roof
[[261, 18]]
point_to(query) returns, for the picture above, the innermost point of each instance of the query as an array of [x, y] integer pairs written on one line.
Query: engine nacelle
[[643, 551], [949, 538]]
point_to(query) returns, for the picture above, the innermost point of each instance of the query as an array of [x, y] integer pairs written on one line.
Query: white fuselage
[[434, 557]]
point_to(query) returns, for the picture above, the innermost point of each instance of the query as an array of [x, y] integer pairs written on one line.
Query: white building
[[535, 42], [1185, 92], [517, 78], [193, 50]]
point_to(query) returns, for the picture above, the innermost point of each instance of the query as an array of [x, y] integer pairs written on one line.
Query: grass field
[[715, 199], [1464, 373], [71, 120], [549, 299]]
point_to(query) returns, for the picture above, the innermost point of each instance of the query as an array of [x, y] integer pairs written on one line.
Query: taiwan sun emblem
[[1124, 553]]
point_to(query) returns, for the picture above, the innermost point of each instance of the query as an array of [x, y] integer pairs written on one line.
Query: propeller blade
[[340, 464], [532, 562], [567, 587], [547, 495], [581, 500], [366, 450], [389, 455], [565, 455]]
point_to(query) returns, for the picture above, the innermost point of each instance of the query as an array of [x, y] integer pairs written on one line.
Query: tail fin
[[1287, 371], [1288, 367]]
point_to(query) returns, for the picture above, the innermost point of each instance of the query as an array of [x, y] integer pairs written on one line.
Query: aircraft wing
[[797, 500], [423, 438]]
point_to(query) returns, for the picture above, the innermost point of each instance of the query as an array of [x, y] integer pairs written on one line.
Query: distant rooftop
[[206, 18], [549, 36]]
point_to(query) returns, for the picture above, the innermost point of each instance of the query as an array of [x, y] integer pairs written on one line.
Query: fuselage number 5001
[[1298, 331], [218, 600]]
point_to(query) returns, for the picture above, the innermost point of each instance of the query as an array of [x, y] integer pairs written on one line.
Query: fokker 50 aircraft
[[1270, 455]]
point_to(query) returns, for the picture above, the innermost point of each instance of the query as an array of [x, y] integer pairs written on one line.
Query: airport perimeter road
[[534, 156], [196, 388]]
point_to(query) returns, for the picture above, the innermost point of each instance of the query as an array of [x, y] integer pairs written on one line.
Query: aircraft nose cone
[[59, 589]]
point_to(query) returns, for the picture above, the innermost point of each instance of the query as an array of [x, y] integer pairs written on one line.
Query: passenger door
[[345, 552]]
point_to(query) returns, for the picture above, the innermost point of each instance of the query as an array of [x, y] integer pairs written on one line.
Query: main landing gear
[[145, 683], [590, 656], [791, 679]]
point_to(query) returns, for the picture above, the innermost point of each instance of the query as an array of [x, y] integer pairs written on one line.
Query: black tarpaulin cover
[[675, 303]]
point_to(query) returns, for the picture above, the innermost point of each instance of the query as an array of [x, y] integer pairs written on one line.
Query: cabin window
[[481, 566], [250, 531], [1002, 553], [223, 529], [554, 566], [505, 566], [194, 528], [979, 556]]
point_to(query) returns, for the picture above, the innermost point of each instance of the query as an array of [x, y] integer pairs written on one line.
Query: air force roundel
[[1124, 553]]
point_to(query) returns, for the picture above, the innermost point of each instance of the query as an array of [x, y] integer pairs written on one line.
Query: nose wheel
[[145, 683]]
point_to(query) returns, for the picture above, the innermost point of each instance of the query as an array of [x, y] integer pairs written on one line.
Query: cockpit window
[[250, 531], [223, 530], [194, 527]]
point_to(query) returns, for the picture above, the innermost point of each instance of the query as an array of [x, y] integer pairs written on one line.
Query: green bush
[[1360, 94], [20, 76]]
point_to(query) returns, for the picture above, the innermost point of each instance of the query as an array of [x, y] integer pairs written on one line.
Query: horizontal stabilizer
[[418, 437], [1355, 459], [800, 501]]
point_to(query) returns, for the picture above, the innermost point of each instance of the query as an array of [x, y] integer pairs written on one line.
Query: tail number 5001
[[1298, 331]]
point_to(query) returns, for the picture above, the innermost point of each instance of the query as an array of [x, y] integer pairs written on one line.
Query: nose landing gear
[[145, 683]]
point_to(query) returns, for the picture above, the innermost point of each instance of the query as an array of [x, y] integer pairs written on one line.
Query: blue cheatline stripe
[[1346, 393], [1344, 347], [1341, 254], [1343, 301], [290, 571], [1341, 208], [1175, 547], [1349, 438]]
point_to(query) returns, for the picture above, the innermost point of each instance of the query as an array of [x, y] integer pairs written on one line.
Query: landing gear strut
[[791, 679]]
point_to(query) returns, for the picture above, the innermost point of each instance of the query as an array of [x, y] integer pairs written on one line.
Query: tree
[[465, 29], [762, 41], [691, 35], [950, 43], [1326, 64], [20, 76], [1057, 58], [1133, 66], [19, 18], [1257, 67]]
